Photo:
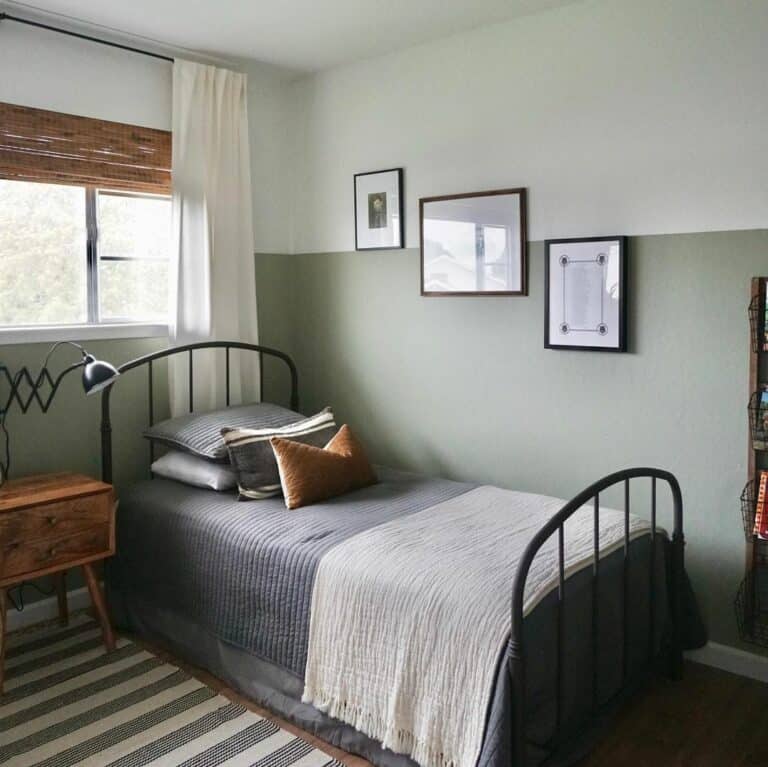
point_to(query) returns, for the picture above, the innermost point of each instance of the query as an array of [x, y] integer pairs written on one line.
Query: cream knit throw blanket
[[409, 618]]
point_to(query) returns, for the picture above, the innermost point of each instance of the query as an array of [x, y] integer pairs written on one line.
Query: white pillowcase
[[192, 470]]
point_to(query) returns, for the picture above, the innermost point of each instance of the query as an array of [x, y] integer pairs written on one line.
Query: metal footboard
[[555, 527]]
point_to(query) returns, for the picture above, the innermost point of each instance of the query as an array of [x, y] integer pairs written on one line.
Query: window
[[70, 255], [467, 256], [43, 263], [496, 257], [85, 224], [133, 245]]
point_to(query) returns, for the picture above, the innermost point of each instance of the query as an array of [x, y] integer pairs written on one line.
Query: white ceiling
[[298, 34]]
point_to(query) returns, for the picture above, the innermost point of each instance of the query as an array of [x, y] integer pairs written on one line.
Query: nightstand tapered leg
[[3, 613], [61, 594], [100, 606]]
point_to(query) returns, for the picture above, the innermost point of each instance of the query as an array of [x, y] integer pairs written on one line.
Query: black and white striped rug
[[67, 702]]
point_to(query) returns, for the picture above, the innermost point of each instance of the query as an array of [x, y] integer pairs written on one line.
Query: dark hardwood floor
[[709, 719]]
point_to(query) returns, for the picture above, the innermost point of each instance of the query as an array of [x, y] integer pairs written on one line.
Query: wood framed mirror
[[474, 244]]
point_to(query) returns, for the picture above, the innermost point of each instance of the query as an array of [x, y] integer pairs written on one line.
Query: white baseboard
[[731, 659], [46, 609]]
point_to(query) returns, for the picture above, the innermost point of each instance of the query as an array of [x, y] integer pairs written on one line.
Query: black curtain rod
[[8, 17]]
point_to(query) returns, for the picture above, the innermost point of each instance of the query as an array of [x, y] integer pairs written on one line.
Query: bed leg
[[678, 574], [517, 677]]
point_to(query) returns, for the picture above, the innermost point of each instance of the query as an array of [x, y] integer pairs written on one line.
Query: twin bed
[[585, 601]]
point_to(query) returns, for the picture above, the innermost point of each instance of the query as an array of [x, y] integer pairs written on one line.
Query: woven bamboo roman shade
[[37, 145]]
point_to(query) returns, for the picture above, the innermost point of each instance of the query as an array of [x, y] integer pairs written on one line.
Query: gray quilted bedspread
[[245, 570]]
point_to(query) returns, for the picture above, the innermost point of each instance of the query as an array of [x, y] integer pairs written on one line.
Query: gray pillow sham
[[253, 460], [193, 470], [200, 433]]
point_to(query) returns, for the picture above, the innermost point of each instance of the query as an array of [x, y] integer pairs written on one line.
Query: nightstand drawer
[[28, 556], [55, 519], [49, 524]]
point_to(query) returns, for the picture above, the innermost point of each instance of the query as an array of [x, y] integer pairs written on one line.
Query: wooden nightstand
[[49, 524]]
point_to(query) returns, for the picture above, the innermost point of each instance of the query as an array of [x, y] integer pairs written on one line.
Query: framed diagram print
[[379, 210], [585, 301]]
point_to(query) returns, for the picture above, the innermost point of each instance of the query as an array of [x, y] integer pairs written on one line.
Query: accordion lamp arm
[[97, 374]]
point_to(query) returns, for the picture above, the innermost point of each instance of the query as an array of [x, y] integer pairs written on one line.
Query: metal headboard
[[189, 349]]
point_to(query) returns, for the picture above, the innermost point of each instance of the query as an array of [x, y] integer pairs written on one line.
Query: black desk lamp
[[97, 374]]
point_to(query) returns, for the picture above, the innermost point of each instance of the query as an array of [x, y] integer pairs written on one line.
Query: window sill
[[52, 333]]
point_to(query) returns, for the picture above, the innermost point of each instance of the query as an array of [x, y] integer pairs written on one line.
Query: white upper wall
[[621, 117], [49, 71], [270, 121]]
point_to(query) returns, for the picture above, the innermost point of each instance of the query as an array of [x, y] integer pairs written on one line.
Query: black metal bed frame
[[189, 350], [554, 527]]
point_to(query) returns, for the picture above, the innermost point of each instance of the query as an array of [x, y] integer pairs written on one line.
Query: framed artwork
[[474, 244], [585, 299], [379, 210]]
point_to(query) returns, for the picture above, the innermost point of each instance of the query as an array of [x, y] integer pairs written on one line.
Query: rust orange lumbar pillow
[[309, 474]]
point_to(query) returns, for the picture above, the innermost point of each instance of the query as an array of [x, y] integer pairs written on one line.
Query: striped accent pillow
[[253, 459]]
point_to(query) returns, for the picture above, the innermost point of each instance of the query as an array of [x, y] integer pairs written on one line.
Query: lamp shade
[[97, 374]]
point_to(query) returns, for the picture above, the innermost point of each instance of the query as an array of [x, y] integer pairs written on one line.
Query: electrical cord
[[5, 466], [17, 602]]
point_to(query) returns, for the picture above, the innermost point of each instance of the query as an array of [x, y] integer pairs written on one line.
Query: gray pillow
[[193, 470], [253, 460], [200, 433]]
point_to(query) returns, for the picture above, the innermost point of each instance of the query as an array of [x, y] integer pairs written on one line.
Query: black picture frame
[[621, 345], [400, 209], [522, 194]]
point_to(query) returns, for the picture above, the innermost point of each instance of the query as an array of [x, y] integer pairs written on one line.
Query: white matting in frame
[[586, 294], [379, 210]]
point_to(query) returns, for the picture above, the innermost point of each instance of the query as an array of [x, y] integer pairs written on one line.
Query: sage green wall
[[275, 302], [67, 438], [462, 387]]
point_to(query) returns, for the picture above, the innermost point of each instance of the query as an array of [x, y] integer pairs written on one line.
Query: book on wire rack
[[761, 512]]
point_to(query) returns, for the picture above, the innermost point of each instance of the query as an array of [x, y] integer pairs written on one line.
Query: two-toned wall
[[646, 119], [49, 71]]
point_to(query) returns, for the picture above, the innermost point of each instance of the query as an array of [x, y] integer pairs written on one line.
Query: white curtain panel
[[213, 282]]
